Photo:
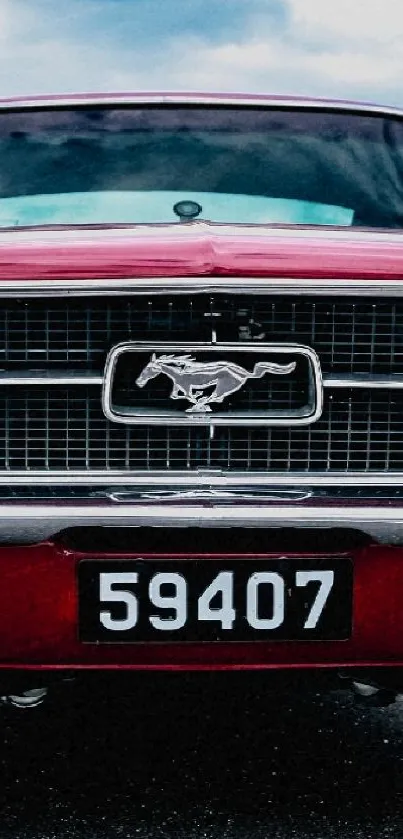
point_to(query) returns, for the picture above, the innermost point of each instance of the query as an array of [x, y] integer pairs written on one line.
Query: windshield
[[248, 165]]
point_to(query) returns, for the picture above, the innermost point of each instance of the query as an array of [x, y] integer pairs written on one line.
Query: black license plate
[[194, 600]]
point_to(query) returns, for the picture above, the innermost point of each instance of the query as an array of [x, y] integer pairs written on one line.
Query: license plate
[[196, 600]]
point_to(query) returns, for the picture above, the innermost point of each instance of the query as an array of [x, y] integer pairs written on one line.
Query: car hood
[[199, 249]]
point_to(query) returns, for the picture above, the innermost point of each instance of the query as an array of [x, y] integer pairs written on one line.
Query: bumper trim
[[201, 477], [381, 519]]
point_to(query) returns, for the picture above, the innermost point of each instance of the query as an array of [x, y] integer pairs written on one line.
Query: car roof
[[183, 97]]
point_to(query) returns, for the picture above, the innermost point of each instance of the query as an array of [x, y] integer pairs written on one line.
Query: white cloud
[[10, 21], [338, 48], [377, 21], [357, 68], [342, 48], [277, 65]]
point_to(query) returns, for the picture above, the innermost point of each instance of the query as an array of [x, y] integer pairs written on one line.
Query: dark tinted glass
[[344, 159]]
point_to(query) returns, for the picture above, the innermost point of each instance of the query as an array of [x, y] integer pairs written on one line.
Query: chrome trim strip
[[363, 380], [22, 377], [201, 285], [209, 494], [212, 478], [37, 521], [84, 100]]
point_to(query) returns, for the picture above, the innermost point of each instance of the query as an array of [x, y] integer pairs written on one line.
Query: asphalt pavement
[[203, 755]]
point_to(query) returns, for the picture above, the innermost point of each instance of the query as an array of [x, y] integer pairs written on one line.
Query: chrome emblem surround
[[190, 378]]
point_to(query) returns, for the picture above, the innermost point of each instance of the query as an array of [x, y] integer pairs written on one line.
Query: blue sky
[[338, 48]]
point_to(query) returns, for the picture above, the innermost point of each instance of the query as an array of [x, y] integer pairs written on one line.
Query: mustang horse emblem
[[190, 378]]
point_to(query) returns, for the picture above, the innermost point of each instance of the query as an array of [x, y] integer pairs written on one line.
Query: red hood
[[199, 249]]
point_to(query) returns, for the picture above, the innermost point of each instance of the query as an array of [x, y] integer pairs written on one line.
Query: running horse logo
[[190, 378]]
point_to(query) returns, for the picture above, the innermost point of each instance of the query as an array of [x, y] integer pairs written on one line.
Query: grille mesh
[[349, 335], [63, 429]]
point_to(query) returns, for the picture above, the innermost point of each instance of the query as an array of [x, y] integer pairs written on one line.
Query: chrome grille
[[49, 429]]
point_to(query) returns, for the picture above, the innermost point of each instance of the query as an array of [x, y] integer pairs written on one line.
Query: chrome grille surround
[[358, 437]]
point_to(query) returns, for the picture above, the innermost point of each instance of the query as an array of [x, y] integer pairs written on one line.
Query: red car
[[201, 387]]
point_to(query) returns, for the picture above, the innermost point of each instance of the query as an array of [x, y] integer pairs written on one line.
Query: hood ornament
[[191, 378]]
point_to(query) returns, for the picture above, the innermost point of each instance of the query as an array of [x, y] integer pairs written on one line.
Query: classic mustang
[[201, 387]]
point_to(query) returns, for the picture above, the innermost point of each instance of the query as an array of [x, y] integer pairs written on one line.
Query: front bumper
[[38, 617], [377, 513]]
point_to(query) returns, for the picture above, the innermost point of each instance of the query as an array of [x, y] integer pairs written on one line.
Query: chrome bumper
[[377, 513]]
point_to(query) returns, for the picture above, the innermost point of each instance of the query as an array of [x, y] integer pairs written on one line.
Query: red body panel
[[199, 249], [38, 621]]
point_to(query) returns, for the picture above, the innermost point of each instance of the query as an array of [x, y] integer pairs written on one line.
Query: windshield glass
[[92, 165]]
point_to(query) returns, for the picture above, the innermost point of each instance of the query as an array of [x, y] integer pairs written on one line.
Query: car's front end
[[201, 339]]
